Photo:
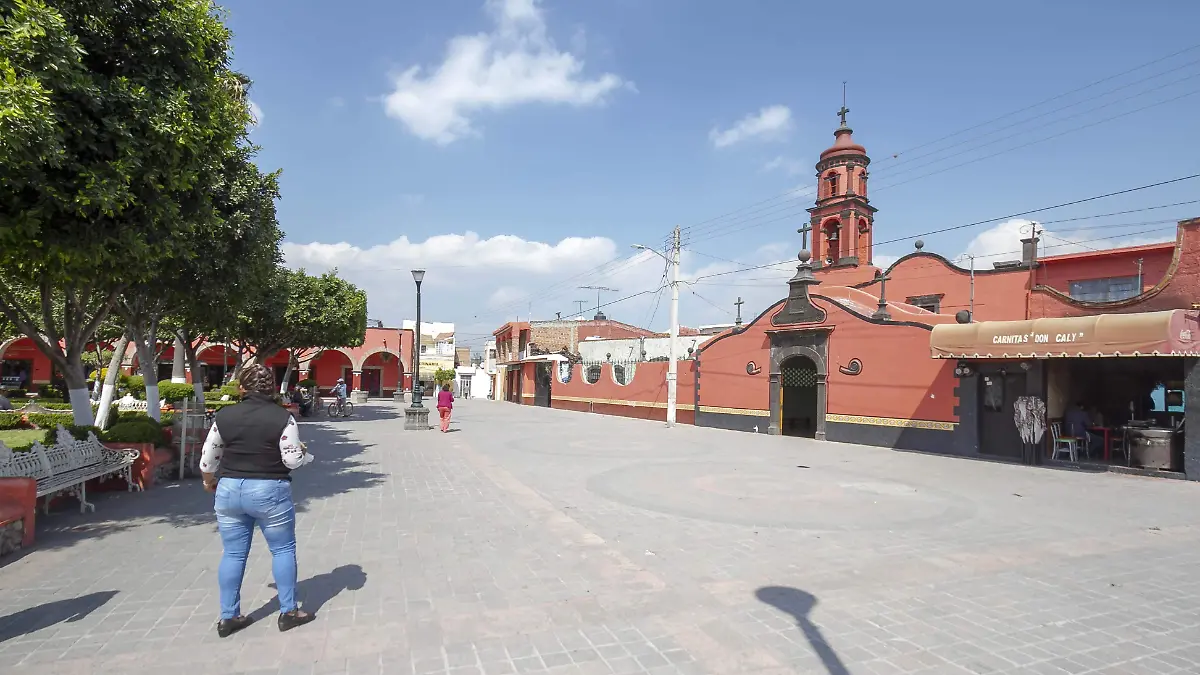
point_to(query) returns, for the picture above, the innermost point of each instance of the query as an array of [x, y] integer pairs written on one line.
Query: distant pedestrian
[[248, 459], [445, 406]]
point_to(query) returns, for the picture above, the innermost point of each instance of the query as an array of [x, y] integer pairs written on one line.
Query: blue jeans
[[241, 504]]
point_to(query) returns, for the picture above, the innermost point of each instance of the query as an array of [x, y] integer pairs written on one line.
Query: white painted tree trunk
[[109, 389], [178, 368], [149, 368], [81, 406], [287, 375]]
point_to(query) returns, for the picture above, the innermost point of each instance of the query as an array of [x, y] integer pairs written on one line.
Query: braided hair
[[257, 379]]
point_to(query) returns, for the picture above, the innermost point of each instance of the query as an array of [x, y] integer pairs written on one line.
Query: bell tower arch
[[843, 220]]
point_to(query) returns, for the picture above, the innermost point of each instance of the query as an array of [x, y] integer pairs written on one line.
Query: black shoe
[[294, 619], [227, 627]]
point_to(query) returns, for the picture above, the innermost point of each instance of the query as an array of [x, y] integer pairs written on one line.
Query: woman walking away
[[247, 461], [444, 406]]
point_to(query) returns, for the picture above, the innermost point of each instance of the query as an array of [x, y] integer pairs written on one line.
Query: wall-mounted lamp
[[963, 370]]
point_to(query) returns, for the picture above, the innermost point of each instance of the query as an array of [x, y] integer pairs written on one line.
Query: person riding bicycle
[[339, 392]]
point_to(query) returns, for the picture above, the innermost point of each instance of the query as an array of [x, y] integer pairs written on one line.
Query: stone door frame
[[811, 344]]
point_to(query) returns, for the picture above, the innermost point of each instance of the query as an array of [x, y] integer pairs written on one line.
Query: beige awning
[[1173, 332]]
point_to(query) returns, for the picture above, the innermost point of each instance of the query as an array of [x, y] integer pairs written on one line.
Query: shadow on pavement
[[34, 619], [338, 469], [314, 592], [799, 604]]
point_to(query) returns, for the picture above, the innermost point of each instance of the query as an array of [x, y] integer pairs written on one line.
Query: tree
[[227, 276], [110, 117], [303, 314]]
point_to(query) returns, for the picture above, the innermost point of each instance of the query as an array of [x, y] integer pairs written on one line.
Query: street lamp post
[[418, 276]]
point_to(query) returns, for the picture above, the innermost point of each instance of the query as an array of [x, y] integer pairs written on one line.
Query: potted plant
[[144, 434]]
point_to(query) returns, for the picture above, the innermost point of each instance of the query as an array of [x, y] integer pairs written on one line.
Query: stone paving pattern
[[548, 541]]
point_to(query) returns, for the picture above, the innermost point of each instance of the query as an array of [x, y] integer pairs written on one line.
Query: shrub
[[53, 405], [11, 420], [175, 391], [48, 392], [50, 420], [217, 405], [79, 433], [136, 386], [232, 391], [135, 431], [14, 394], [307, 383]]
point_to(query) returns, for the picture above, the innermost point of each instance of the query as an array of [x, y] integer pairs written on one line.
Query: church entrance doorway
[[798, 397]]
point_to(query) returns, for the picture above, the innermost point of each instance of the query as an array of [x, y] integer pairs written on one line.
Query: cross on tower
[[842, 113], [803, 231], [739, 304], [881, 312]]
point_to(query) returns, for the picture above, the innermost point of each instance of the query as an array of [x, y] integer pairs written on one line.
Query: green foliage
[[217, 405], [79, 433], [299, 312], [49, 420], [443, 376], [230, 390], [141, 430], [46, 391], [12, 420], [307, 383], [175, 391], [54, 405], [135, 385], [16, 396]]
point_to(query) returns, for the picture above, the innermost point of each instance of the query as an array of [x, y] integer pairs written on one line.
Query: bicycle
[[341, 409]]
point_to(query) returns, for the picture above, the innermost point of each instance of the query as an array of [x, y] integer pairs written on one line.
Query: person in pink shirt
[[444, 405]]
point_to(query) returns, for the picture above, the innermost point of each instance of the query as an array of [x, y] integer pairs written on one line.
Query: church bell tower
[[843, 221]]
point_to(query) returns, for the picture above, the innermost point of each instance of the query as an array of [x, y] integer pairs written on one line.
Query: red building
[[931, 356], [376, 367]]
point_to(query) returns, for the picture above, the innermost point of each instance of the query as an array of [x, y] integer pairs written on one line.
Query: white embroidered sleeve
[[210, 458], [289, 446]]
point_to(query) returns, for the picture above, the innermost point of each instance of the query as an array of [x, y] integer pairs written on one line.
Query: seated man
[[1077, 421], [5, 404], [298, 400]]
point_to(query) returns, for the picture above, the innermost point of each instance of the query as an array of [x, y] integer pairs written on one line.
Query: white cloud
[[785, 164], [516, 63], [481, 283], [770, 123], [1002, 242], [884, 261], [256, 113], [411, 199]]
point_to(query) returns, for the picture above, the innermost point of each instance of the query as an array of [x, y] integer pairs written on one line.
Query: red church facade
[[931, 356]]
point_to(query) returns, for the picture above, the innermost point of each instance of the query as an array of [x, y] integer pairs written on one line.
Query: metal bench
[[68, 466]]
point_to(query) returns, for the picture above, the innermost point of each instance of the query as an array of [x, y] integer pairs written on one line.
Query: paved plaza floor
[[546, 541]]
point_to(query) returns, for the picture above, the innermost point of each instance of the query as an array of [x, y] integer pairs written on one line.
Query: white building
[[639, 349], [437, 346]]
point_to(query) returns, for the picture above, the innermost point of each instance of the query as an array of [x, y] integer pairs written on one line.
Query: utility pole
[[1139, 281], [672, 259], [972, 309], [673, 367], [579, 305]]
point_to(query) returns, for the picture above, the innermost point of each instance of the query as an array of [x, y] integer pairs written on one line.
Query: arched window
[[832, 179], [862, 182], [592, 375], [833, 245]]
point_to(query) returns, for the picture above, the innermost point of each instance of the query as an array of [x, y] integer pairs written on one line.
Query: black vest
[[251, 431]]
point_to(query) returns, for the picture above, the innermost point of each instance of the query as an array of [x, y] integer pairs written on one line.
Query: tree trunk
[[193, 360], [81, 403], [287, 372], [110, 382], [178, 367], [149, 370]]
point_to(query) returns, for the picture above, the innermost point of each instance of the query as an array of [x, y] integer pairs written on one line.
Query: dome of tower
[[843, 144]]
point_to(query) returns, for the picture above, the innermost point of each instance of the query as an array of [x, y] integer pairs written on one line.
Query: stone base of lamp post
[[416, 419], [400, 397], [358, 397]]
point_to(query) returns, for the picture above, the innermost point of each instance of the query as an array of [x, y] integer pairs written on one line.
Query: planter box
[[145, 467]]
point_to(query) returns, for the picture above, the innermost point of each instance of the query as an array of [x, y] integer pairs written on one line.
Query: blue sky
[[601, 123]]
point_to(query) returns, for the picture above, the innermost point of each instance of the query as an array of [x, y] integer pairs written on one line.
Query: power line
[[715, 224], [987, 221]]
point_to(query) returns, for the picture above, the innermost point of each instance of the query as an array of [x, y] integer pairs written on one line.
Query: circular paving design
[[758, 493]]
